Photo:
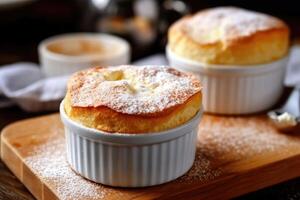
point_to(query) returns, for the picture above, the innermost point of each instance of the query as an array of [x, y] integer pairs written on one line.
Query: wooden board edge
[[193, 192], [232, 185], [22, 171]]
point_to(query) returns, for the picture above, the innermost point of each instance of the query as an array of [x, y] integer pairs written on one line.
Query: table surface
[[12, 188]]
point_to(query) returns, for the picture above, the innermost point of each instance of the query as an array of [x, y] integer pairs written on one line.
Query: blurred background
[[144, 23]]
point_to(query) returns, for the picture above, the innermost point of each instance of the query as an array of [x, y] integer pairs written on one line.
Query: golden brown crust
[[166, 106], [260, 44], [108, 120]]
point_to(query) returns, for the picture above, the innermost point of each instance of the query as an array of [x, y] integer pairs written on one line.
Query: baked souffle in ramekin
[[229, 35], [239, 55], [132, 99], [131, 126]]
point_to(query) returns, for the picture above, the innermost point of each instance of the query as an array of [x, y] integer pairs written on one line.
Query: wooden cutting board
[[235, 155]]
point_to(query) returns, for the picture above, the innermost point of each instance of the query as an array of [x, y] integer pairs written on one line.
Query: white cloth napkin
[[24, 84], [292, 78]]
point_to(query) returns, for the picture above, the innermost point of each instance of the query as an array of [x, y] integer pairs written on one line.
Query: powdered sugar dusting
[[233, 138], [228, 23], [49, 162], [228, 139], [132, 89], [221, 140], [201, 171]]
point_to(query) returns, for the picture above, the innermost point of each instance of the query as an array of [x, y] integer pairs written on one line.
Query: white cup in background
[[68, 53]]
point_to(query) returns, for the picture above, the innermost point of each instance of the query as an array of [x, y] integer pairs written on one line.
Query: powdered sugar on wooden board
[[49, 163], [201, 171], [234, 138], [220, 139], [226, 139]]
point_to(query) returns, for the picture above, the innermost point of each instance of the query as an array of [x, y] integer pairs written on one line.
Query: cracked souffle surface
[[229, 35], [132, 99]]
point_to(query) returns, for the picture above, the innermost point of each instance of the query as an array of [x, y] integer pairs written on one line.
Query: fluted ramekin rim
[[240, 69]]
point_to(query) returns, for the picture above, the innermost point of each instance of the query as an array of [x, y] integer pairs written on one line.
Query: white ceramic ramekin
[[55, 64], [236, 89], [128, 160]]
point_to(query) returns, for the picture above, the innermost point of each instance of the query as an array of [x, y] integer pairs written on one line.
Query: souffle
[[132, 99], [229, 35]]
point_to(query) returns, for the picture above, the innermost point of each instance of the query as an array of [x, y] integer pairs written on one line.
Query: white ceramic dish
[[236, 89], [127, 160], [117, 52]]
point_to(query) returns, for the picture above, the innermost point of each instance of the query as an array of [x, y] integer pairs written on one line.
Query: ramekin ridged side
[[236, 89], [130, 160]]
